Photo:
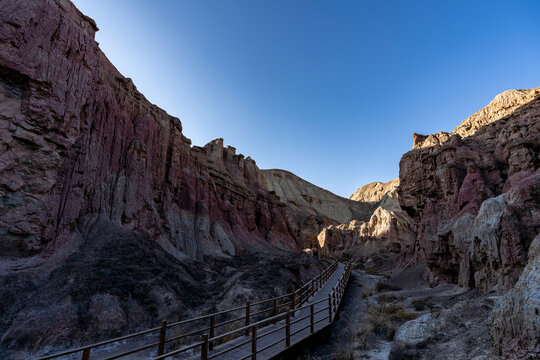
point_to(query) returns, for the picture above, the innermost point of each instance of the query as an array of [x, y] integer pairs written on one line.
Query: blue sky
[[329, 90]]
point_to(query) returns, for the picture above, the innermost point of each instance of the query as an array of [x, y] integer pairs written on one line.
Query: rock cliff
[[311, 208], [501, 106], [110, 221], [375, 191], [475, 197], [515, 321], [388, 227], [78, 142]]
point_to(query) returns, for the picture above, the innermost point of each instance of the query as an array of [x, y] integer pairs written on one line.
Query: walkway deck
[[277, 333], [260, 330]]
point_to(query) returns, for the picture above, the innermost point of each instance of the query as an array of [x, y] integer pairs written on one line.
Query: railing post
[[334, 296], [274, 309], [204, 347], [162, 331], [86, 354], [254, 342], [329, 308], [247, 317], [312, 322], [293, 302], [212, 331], [288, 328]]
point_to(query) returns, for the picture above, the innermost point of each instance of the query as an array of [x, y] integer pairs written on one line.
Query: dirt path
[[378, 320]]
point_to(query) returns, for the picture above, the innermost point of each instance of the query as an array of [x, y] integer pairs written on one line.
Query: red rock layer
[[475, 200], [78, 142]]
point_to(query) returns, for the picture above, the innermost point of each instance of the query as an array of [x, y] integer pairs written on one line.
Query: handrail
[[307, 288], [334, 298]]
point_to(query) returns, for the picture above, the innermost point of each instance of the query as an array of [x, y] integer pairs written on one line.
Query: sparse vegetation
[[345, 354], [383, 319], [385, 298], [367, 294], [381, 286], [421, 304], [372, 271], [378, 316]]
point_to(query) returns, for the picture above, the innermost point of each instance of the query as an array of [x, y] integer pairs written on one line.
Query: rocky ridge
[[311, 208], [375, 191], [80, 142], [388, 227], [475, 201], [474, 197]]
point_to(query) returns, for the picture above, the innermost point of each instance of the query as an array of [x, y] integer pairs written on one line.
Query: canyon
[[111, 220]]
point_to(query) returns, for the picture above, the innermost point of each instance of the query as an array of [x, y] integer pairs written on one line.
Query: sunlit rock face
[[475, 196], [501, 106], [78, 141], [311, 208], [388, 227], [375, 191]]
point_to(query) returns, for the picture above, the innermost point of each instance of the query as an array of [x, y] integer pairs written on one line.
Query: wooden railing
[[276, 308], [333, 301]]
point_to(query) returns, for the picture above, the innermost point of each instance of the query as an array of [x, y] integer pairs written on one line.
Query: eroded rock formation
[[475, 198], [79, 142], [375, 191], [515, 321], [94, 178], [311, 208], [388, 228]]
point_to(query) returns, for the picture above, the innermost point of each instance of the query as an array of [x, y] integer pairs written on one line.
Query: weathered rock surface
[[93, 178], [375, 191], [311, 208], [475, 198], [79, 141], [515, 321], [388, 228], [118, 282], [501, 106]]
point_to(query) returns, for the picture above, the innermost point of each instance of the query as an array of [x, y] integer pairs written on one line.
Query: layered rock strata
[[311, 208], [78, 142], [515, 321], [475, 197], [388, 227]]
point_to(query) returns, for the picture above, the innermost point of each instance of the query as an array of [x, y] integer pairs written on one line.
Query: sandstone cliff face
[[475, 197], [78, 142], [375, 191], [501, 106], [388, 228], [311, 208]]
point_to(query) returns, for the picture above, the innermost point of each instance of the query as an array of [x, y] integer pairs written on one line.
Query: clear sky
[[329, 90]]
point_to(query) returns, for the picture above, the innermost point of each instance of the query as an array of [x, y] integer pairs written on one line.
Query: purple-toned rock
[[475, 196], [78, 141]]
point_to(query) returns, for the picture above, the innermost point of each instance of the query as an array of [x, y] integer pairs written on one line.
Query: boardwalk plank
[[245, 350]]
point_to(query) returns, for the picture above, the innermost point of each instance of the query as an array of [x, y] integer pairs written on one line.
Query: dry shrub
[[386, 287]]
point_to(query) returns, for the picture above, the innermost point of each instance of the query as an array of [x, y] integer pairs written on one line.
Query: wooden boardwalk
[[259, 330], [271, 339]]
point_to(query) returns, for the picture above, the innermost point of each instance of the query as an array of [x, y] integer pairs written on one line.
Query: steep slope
[[80, 142], [311, 208], [110, 221], [501, 106], [475, 200], [375, 191]]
